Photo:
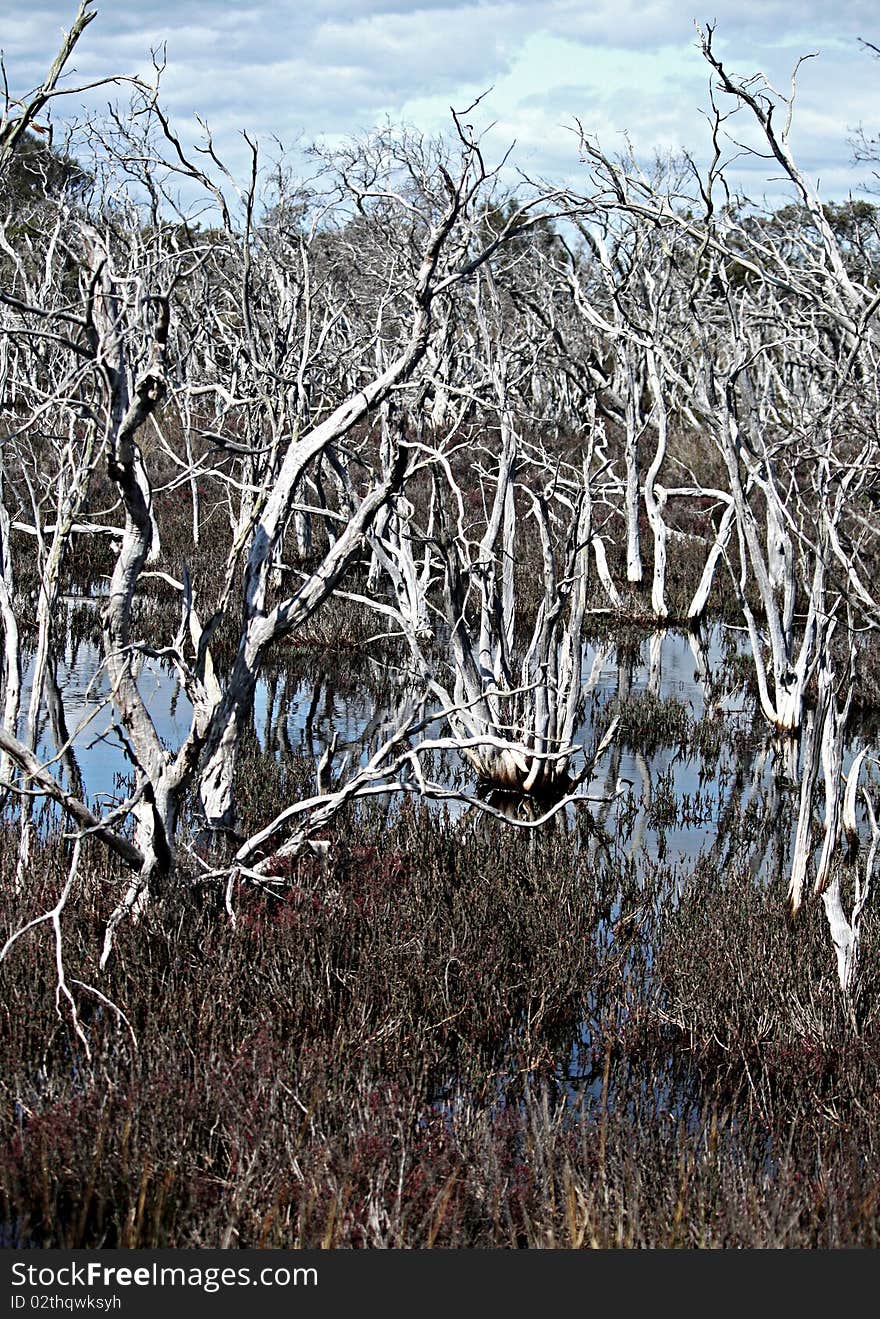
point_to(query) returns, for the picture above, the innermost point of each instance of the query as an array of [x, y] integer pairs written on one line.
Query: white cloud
[[303, 70]]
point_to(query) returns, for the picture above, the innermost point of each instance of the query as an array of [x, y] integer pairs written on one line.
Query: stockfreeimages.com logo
[[109, 1276]]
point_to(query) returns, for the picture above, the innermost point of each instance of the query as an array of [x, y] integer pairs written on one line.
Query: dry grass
[[458, 1037]]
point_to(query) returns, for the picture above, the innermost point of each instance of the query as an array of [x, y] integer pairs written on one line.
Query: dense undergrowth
[[456, 1036]]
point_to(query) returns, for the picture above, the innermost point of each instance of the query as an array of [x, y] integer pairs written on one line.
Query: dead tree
[[247, 415]]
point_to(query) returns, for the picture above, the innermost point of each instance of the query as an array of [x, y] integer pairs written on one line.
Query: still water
[[662, 791]]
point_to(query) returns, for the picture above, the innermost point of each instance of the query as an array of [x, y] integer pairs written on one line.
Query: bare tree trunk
[[655, 495]]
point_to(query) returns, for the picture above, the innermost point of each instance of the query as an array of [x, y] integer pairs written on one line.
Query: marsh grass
[[456, 1036]]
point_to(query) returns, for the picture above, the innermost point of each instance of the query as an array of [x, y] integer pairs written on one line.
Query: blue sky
[[301, 71]]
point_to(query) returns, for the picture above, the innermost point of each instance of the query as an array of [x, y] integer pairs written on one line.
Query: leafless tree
[[482, 416]]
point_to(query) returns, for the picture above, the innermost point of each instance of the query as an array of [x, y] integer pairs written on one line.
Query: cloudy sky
[[327, 68]]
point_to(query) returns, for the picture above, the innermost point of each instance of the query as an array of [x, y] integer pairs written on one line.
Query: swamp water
[[689, 754]]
